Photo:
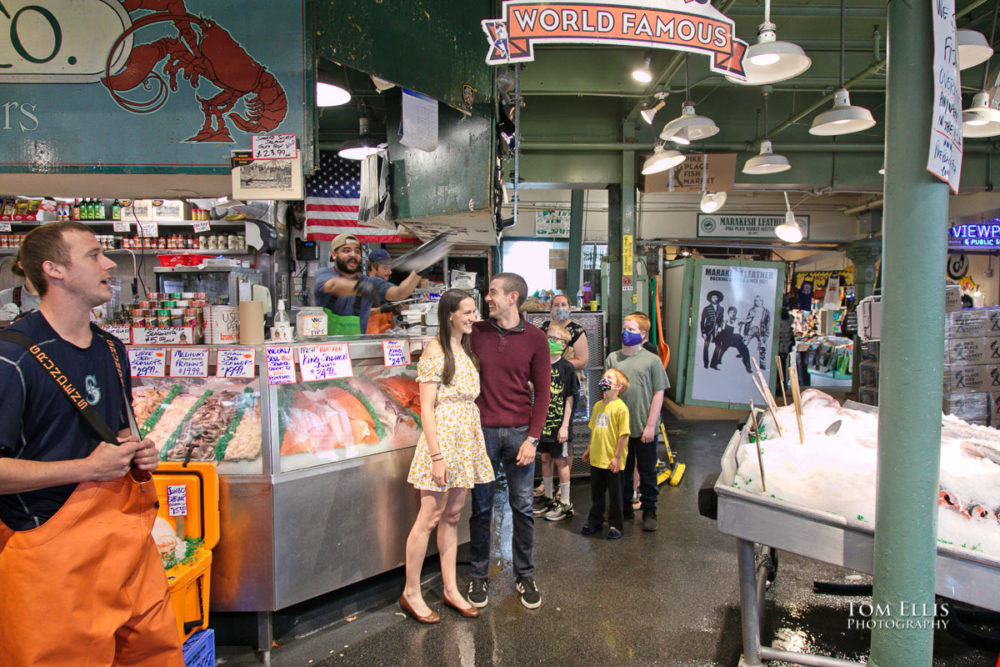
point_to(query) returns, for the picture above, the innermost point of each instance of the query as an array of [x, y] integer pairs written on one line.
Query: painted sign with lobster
[[147, 82]]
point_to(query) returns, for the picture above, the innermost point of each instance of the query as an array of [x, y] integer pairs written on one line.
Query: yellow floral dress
[[459, 431]]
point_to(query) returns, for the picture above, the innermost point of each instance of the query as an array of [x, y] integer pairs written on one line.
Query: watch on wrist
[[533, 441]]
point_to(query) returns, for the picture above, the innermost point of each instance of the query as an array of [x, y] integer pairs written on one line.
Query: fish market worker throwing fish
[[81, 580], [346, 296]]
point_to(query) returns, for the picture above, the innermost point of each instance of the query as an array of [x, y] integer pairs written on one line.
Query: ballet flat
[[468, 612], [432, 617]]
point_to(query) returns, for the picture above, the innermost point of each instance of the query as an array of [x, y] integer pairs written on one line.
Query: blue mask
[[560, 314], [604, 384], [630, 338]]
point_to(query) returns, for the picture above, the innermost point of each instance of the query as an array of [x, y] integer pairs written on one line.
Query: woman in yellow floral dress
[[451, 455]]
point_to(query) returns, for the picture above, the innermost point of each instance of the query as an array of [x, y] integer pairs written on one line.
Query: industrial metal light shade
[[770, 61], [329, 95], [688, 127], [650, 113], [712, 201], [642, 73], [361, 147], [842, 118], [661, 160], [766, 162], [981, 120], [789, 231], [973, 49]]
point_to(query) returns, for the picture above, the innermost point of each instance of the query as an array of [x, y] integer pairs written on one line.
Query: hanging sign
[[552, 224], [396, 352], [280, 364], [189, 363], [235, 362], [709, 172], [679, 25], [325, 362], [745, 226], [944, 156], [273, 146], [148, 362], [985, 235]]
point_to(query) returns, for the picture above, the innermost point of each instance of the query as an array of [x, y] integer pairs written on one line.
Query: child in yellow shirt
[[609, 432]]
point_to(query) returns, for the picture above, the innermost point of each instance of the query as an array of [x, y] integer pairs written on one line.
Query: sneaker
[[539, 490], [559, 511], [589, 530], [542, 505], [649, 520], [530, 597], [479, 592], [613, 533]]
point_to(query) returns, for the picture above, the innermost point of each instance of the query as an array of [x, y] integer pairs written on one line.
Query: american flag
[[332, 196]]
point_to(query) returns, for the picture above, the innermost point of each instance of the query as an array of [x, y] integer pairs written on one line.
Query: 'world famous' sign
[[682, 25]]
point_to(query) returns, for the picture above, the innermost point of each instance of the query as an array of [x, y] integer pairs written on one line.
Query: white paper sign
[[272, 146], [831, 297], [5, 226], [944, 157], [122, 332], [177, 504], [552, 223], [280, 364], [162, 335], [235, 362], [148, 229], [202, 226], [419, 127], [148, 362], [189, 362], [325, 362], [396, 352], [120, 226]]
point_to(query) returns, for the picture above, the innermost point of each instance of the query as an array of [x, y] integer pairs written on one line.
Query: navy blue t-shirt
[[346, 305], [37, 421]]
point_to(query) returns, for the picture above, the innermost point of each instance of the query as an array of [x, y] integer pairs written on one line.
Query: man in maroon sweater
[[513, 360]]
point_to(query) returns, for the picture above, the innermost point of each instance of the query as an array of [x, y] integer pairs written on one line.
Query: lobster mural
[[201, 50]]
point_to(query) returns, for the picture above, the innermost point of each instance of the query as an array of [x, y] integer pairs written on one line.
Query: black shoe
[[649, 520], [479, 592], [613, 533], [589, 529], [628, 514], [530, 597]]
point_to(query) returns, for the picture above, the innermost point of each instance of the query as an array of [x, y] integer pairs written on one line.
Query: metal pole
[[749, 604], [573, 271], [914, 251], [612, 302]]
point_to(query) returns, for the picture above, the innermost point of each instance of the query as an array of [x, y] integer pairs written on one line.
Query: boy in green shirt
[[609, 431]]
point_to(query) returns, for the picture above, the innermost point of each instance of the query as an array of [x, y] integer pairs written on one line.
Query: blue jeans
[[643, 455], [502, 444]]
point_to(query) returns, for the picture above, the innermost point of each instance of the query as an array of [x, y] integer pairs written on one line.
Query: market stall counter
[[312, 442]]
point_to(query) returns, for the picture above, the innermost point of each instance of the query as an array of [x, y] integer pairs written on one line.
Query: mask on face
[[561, 314], [604, 384], [555, 348], [630, 338]]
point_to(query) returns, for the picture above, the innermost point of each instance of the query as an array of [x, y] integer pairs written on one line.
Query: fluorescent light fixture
[[766, 162], [650, 113], [329, 95], [770, 61], [842, 118], [688, 127], [981, 119], [712, 201], [661, 160], [361, 147], [642, 74], [973, 49], [789, 231]]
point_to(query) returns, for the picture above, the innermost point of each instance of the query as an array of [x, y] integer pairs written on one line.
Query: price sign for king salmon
[[396, 352], [148, 362], [189, 362], [280, 364], [235, 362], [325, 362]]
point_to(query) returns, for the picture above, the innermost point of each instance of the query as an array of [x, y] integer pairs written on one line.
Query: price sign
[[148, 229], [122, 332], [189, 362], [5, 226], [280, 364], [273, 146], [162, 335], [148, 362], [202, 226], [177, 503], [235, 362], [120, 226], [325, 362], [396, 352]]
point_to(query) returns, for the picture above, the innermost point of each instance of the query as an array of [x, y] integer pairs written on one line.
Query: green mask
[[555, 348]]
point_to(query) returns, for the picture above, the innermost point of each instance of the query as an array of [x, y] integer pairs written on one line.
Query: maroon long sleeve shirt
[[508, 359]]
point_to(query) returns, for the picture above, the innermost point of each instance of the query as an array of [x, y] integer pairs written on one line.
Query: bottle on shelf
[[116, 210], [282, 329], [75, 214], [99, 210], [87, 209]]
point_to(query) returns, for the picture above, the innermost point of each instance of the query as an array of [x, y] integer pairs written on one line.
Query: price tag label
[[273, 146], [122, 332], [189, 362], [235, 362], [148, 362], [148, 229], [162, 335], [396, 352], [120, 226], [280, 364], [202, 226], [325, 362], [177, 503], [5, 226]]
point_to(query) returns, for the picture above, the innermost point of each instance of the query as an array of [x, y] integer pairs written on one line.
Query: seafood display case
[[313, 493]]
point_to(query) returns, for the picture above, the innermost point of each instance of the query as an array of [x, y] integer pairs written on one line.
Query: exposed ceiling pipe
[[864, 208], [799, 147]]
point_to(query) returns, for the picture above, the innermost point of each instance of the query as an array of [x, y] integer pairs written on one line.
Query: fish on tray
[[402, 388], [390, 413], [324, 420]]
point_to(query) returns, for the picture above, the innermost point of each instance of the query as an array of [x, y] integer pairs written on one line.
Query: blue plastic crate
[[199, 649]]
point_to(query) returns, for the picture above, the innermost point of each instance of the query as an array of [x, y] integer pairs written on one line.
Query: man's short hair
[[512, 282], [44, 244], [559, 330], [640, 318]]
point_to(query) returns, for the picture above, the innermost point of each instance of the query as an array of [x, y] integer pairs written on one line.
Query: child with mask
[[554, 443], [648, 381], [609, 430]]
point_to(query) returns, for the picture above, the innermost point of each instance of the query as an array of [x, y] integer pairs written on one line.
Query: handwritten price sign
[[396, 352], [189, 363], [280, 364], [273, 146], [177, 500], [148, 229], [148, 362], [120, 226], [122, 332], [235, 362], [325, 362]]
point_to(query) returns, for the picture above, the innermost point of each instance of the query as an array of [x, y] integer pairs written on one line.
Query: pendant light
[[661, 160], [710, 201], [982, 119], [330, 95], [661, 101], [643, 74], [767, 161], [364, 144], [770, 61], [688, 126], [972, 48], [789, 231], [842, 118]]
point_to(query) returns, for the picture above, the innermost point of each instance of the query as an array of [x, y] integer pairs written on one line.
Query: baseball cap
[[342, 240], [379, 256]]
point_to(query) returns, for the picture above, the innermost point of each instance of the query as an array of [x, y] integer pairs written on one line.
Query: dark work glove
[[366, 288]]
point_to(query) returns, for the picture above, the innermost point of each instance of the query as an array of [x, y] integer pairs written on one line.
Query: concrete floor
[[663, 598]]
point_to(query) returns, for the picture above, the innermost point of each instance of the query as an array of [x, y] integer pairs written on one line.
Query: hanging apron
[[379, 323]]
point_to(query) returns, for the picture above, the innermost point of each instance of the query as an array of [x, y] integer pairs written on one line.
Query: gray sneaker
[[530, 597], [479, 592], [543, 505], [559, 512]]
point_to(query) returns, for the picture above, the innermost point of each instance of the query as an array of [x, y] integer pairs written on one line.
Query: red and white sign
[[235, 362]]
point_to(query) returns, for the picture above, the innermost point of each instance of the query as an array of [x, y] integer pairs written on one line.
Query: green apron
[[342, 325]]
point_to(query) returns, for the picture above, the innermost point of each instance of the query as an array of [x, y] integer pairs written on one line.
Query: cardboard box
[[868, 373], [965, 379], [972, 351], [973, 322], [952, 298], [171, 210], [971, 406], [140, 210]]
